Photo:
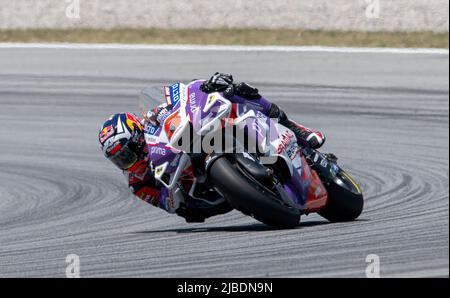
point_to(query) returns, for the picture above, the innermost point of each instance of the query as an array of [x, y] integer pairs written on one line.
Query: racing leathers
[[247, 94], [143, 184]]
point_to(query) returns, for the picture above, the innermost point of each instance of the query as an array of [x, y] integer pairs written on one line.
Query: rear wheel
[[251, 197]]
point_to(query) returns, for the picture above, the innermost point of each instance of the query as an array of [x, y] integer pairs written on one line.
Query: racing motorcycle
[[242, 157]]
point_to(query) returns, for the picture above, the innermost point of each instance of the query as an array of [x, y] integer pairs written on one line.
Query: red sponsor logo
[[286, 140]]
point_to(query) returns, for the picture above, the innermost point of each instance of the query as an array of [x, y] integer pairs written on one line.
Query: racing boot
[[314, 139]]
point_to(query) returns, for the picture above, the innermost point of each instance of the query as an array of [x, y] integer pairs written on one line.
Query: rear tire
[[249, 198]]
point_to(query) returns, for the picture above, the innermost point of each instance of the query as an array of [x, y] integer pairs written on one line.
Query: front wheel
[[345, 199], [250, 197]]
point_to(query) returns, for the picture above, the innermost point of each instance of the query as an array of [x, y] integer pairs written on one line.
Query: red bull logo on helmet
[[106, 133]]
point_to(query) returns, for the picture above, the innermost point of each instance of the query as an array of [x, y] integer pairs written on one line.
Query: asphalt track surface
[[386, 116]]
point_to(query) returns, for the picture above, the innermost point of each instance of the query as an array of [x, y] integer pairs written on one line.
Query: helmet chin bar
[[135, 150], [124, 159]]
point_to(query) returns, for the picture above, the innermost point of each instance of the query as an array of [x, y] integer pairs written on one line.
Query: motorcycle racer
[[123, 143]]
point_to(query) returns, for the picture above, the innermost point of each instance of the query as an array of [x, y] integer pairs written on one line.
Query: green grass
[[232, 37]]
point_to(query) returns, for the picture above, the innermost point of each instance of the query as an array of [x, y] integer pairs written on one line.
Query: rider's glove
[[217, 83]]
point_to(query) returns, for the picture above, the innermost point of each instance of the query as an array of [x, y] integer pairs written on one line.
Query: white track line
[[237, 48]]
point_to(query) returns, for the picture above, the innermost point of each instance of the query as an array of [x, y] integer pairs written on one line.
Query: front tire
[[249, 197], [345, 199]]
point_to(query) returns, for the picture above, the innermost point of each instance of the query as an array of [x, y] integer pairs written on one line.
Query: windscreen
[[150, 97]]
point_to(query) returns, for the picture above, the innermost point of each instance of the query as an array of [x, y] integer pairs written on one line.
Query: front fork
[[324, 164]]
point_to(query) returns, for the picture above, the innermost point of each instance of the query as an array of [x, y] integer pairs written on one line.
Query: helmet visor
[[124, 159]]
